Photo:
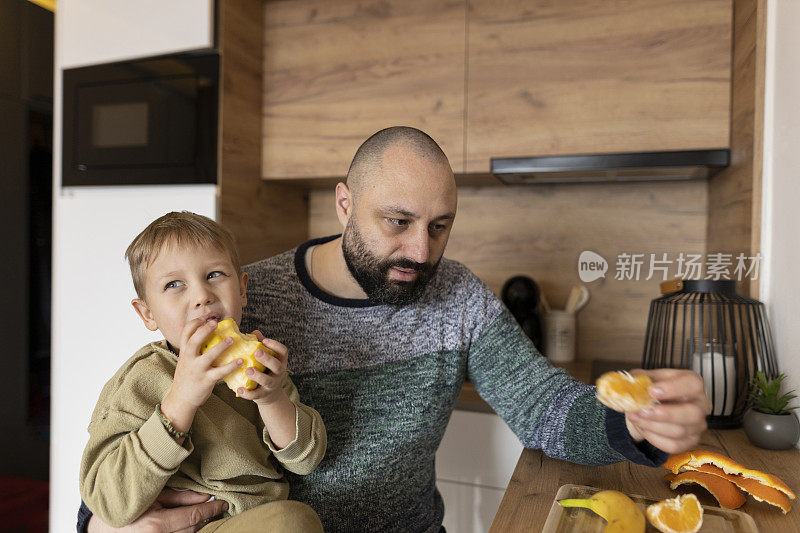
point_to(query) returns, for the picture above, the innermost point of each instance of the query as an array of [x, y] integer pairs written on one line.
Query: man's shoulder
[[276, 269], [454, 274], [281, 260], [455, 281]]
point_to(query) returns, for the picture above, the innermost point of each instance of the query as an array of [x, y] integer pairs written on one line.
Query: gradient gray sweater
[[385, 380]]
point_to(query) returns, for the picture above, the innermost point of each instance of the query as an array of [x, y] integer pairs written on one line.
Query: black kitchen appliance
[[521, 295], [141, 122]]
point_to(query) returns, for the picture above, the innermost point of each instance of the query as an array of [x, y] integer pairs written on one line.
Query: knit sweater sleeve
[[124, 467], [130, 455], [305, 452], [544, 406]]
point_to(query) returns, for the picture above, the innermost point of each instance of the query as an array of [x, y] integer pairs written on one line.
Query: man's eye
[[173, 284], [215, 274], [397, 221]]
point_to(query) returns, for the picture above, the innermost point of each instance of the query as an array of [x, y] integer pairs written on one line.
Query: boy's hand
[[194, 376], [270, 381]]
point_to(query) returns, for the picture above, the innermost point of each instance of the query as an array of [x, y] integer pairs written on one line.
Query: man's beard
[[372, 273]]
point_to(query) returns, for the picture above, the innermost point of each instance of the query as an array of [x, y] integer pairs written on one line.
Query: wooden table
[[536, 480]]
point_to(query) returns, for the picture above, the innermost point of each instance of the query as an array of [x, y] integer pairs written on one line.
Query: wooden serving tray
[[562, 520]]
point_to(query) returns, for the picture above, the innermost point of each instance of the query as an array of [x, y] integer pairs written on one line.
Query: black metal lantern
[[707, 327]]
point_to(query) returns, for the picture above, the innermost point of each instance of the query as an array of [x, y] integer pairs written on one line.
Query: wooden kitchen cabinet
[[336, 72], [492, 78], [593, 76]]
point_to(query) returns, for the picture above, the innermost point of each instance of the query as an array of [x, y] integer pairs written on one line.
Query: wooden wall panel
[[540, 232], [265, 218], [734, 207], [588, 76], [336, 72]]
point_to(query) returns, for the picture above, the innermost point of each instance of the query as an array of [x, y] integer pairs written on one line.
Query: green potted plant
[[769, 423]]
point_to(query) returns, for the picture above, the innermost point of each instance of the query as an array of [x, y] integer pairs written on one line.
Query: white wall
[[99, 31], [780, 283], [94, 327]]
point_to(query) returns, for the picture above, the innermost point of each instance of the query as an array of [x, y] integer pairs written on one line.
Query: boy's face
[[187, 282]]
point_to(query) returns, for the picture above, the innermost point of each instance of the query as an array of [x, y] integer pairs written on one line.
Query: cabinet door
[[594, 76], [336, 72]]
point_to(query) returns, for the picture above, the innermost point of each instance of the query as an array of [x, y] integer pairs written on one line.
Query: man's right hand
[[173, 511]]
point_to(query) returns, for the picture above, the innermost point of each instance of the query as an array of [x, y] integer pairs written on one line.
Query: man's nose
[[417, 248]]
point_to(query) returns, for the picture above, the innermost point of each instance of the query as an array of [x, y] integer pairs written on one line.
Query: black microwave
[[142, 122]]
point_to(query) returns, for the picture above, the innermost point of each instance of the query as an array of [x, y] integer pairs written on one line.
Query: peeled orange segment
[[244, 347], [682, 514], [696, 458], [623, 392], [757, 490], [723, 490]]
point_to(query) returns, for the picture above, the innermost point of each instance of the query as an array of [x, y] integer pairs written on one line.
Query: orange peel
[[623, 392], [694, 459], [723, 490], [682, 514], [757, 490]]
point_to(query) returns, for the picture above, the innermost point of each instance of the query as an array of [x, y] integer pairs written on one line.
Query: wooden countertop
[[536, 480]]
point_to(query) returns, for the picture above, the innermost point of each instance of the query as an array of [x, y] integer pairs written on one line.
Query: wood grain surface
[[265, 218], [734, 207], [594, 76], [536, 480], [540, 232], [336, 72]]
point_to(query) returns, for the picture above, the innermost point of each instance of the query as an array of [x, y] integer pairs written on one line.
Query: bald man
[[382, 332]]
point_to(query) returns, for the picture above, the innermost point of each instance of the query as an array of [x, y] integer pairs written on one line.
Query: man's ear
[[344, 203], [145, 314], [243, 288]]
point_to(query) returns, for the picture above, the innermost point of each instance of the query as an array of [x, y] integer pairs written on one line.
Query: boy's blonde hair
[[180, 229]]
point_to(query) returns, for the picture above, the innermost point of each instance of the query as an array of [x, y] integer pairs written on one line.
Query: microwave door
[[146, 121], [135, 124]]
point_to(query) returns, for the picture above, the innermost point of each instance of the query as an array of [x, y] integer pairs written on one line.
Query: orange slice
[[723, 490], [682, 514], [759, 491], [696, 458], [623, 392]]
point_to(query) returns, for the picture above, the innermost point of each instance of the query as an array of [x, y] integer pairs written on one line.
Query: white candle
[[724, 380]]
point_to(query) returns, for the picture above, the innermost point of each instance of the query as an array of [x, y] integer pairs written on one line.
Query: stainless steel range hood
[[596, 168]]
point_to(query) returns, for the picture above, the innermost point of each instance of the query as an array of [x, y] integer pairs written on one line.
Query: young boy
[[166, 420]]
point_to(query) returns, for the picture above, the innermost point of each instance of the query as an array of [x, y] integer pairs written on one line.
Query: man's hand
[[172, 511], [676, 423]]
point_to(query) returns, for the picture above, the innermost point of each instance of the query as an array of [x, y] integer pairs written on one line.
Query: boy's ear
[[243, 288], [144, 313]]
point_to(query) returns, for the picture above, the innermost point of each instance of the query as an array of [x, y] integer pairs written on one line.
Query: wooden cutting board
[[562, 520]]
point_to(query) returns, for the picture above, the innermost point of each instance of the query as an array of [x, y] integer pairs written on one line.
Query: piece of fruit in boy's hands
[[244, 347], [623, 392]]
